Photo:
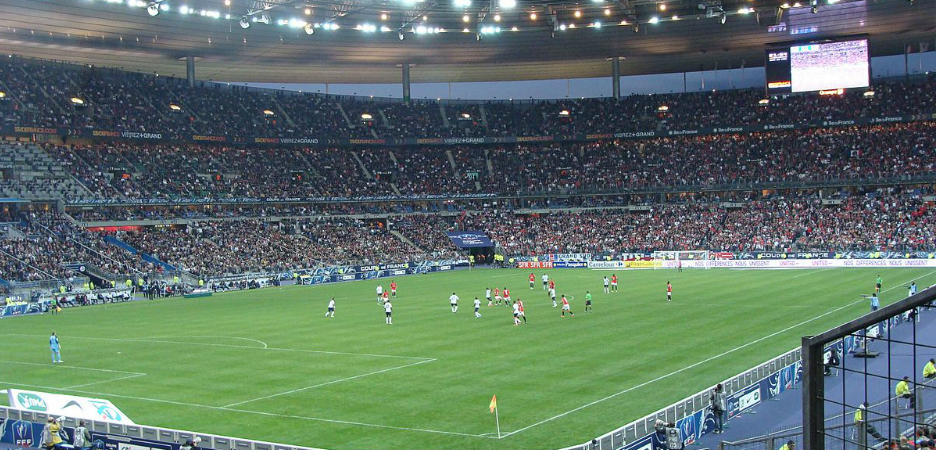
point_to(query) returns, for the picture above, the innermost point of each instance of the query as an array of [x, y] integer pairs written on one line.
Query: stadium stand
[[247, 207]]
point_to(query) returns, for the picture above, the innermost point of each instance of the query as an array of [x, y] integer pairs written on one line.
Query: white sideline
[[209, 344], [292, 391], [685, 368]]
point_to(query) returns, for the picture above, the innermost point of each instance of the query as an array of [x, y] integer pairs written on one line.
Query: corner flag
[[493, 405]]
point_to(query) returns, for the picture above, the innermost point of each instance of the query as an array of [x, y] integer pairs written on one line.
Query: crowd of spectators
[[39, 93], [888, 219], [190, 171]]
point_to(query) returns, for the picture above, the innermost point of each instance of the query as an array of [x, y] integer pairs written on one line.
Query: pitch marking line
[[685, 368], [209, 344], [125, 377], [340, 380], [248, 411]]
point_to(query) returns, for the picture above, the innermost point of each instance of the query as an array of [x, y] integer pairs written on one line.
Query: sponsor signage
[[308, 140], [470, 239], [67, 405]]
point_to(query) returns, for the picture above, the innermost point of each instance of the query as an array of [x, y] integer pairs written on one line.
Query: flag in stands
[[492, 405]]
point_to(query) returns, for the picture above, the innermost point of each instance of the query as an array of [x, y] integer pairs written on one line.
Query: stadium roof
[[121, 33]]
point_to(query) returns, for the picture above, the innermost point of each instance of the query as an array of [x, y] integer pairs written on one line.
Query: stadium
[[458, 224]]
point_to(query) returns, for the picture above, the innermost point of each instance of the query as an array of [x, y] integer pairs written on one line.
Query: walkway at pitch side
[[784, 412]]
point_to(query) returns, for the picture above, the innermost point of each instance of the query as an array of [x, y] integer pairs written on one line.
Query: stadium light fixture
[[268, 112], [577, 14], [507, 4], [77, 101], [663, 108], [867, 94], [385, 29], [497, 18], [596, 24], [3, 94], [227, 2], [564, 113], [662, 7], [174, 107], [532, 16], [384, 16], [466, 30], [366, 116], [796, 5], [462, 3], [309, 29], [745, 10], [562, 27], [425, 18], [184, 9], [465, 18], [572, 26], [675, 17], [763, 102], [465, 116], [607, 12], [653, 20], [514, 28]]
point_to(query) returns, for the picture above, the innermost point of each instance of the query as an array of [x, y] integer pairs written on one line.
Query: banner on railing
[[67, 405]]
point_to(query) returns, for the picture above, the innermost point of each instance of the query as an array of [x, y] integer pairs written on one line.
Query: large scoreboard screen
[[815, 66]]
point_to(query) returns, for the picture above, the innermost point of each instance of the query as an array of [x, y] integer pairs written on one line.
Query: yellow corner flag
[[492, 405]]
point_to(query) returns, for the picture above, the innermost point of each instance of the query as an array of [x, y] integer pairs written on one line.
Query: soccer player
[[564, 307], [384, 297], [544, 279], [330, 311], [488, 296], [669, 291], [506, 296], [913, 289], [379, 290], [498, 297], [521, 311], [589, 302], [615, 283], [553, 294], [515, 314], [531, 280], [454, 302], [874, 302], [879, 283], [387, 313], [679, 266], [393, 288], [476, 304], [54, 346], [605, 284]]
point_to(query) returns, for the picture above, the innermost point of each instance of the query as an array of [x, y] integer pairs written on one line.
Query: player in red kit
[[393, 289], [506, 296], [565, 307], [615, 283], [384, 297], [521, 311], [531, 280], [669, 291]]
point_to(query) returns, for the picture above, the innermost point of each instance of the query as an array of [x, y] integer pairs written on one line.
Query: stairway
[[443, 115], [344, 115], [361, 164], [407, 241]]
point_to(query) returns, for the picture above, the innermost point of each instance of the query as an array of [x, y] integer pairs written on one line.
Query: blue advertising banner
[[470, 239]]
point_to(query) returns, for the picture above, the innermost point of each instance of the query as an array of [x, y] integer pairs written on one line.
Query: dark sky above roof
[[117, 35]]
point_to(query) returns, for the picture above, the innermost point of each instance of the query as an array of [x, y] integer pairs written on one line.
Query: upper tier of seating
[[39, 93]]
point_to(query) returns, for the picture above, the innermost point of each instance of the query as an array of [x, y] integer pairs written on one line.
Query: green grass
[[204, 359]]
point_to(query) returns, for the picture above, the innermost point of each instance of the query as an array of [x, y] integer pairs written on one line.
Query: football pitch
[[265, 364]]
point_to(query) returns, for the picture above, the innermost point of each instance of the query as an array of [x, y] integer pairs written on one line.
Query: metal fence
[[128, 433], [887, 392], [646, 425]]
